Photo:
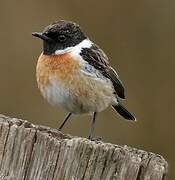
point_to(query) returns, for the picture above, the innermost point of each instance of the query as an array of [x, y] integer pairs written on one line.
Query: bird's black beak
[[42, 36]]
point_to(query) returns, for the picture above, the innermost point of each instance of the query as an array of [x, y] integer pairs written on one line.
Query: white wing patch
[[90, 71], [85, 67]]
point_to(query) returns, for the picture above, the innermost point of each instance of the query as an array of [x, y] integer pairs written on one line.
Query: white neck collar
[[86, 43]]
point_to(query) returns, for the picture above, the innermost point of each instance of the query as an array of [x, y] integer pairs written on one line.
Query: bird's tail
[[123, 112]]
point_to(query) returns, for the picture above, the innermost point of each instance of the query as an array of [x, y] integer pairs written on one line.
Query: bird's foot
[[96, 139], [59, 129]]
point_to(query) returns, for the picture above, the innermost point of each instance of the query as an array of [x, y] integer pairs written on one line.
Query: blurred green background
[[138, 37]]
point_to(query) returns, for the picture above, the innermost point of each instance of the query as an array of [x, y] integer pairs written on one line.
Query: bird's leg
[[64, 122], [91, 132]]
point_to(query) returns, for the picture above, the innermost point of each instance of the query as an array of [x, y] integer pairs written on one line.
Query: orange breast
[[61, 67]]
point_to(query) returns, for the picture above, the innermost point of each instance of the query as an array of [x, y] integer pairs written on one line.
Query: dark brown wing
[[97, 58]]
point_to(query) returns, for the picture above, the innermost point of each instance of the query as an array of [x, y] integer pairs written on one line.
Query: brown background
[[138, 37]]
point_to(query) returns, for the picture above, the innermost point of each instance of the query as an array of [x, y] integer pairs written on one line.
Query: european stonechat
[[75, 73]]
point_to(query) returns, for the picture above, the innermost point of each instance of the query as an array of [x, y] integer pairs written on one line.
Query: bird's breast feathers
[[59, 67], [68, 80]]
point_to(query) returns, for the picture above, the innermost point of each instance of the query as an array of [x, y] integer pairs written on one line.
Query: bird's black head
[[59, 36]]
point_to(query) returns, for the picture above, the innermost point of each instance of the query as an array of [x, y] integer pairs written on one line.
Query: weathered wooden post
[[32, 152]]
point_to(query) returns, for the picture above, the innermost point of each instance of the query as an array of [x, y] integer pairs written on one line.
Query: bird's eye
[[62, 38]]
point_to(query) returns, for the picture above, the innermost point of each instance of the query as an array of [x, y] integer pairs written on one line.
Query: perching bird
[[75, 73]]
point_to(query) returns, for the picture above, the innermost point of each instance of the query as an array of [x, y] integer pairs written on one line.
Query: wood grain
[[33, 152]]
